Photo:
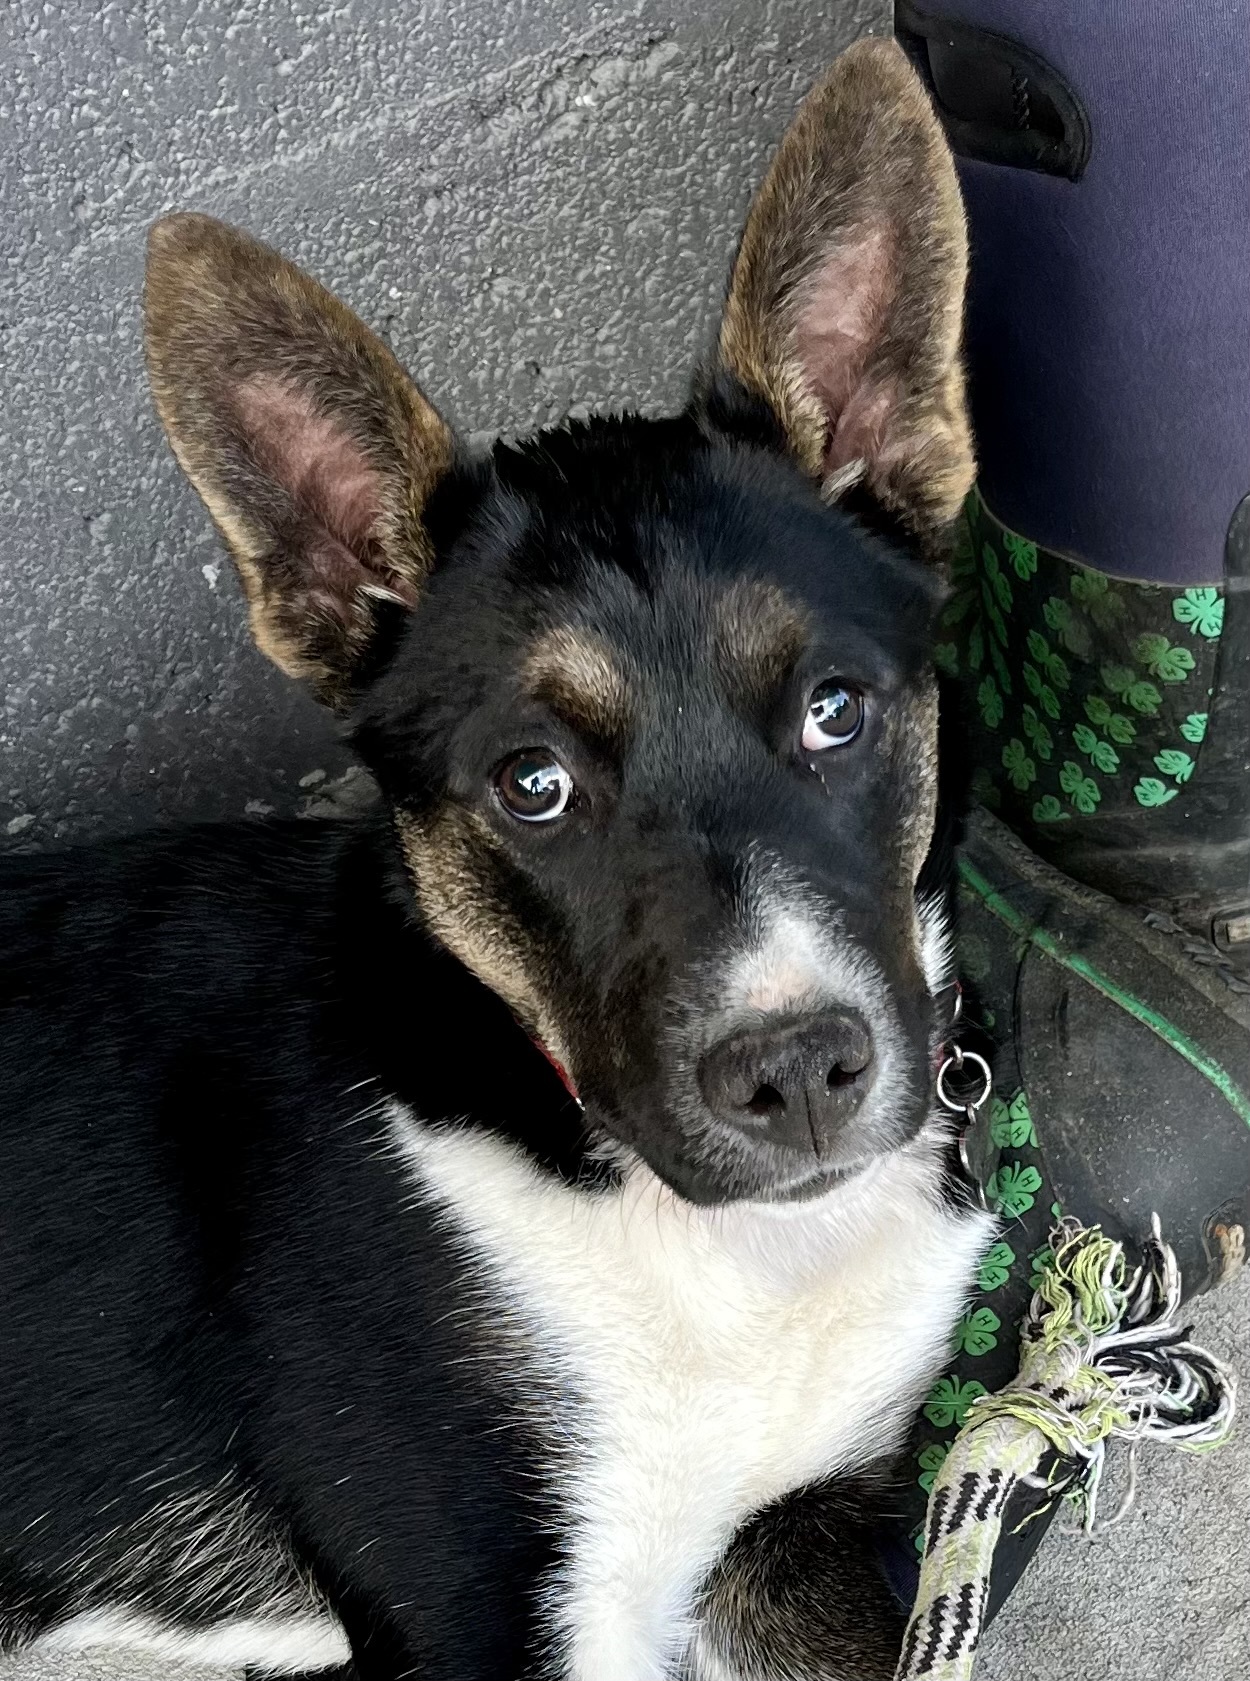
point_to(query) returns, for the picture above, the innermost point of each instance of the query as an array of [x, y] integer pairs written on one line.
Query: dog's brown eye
[[835, 715], [534, 787]]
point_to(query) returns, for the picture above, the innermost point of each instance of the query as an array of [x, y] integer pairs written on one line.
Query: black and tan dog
[[494, 1237]]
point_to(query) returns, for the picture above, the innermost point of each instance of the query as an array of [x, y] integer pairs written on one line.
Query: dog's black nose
[[796, 1083]]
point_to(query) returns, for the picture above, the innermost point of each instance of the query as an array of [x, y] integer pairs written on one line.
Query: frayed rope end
[[1102, 1357]]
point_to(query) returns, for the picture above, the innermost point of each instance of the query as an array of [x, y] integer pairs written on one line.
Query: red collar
[[560, 1069]]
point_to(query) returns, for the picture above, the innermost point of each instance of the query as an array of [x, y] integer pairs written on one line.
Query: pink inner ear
[[840, 313], [324, 470]]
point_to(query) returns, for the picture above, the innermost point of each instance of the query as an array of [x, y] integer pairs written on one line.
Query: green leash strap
[[1102, 1356]]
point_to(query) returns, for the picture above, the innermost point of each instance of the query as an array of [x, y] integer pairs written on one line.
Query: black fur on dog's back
[[243, 999]]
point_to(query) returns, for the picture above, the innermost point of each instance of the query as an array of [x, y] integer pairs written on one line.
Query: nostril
[[768, 1102], [848, 1069]]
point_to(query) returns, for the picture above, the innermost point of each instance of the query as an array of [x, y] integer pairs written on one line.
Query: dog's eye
[[835, 715], [534, 787]]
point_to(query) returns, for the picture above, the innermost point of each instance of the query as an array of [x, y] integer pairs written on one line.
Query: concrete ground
[[536, 204]]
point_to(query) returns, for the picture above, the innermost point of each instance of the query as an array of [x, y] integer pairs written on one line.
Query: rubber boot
[[1109, 724], [1102, 623]]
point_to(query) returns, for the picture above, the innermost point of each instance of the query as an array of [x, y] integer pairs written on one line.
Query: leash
[[1102, 1357]]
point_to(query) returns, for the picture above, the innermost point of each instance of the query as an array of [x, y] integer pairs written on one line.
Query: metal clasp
[[969, 1104]]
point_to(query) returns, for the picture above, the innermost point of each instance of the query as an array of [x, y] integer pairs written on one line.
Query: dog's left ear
[[312, 449], [846, 298]]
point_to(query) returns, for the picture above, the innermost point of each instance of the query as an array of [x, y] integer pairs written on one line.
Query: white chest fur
[[718, 1358]]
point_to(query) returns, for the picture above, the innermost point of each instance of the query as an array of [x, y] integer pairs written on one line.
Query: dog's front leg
[[799, 1594]]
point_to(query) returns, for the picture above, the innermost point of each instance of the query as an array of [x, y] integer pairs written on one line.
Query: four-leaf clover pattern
[[949, 1401], [1100, 753], [999, 584], [931, 1459], [1048, 810], [946, 658], [1089, 692], [1169, 664], [1041, 691], [1071, 630], [995, 1269], [1202, 610], [1149, 791], [1041, 1261], [1023, 554], [1013, 1189], [1054, 665], [1082, 790], [976, 1331], [1117, 726], [990, 702], [1040, 738], [1092, 590], [1175, 762], [1018, 765], [1123, 682], [1011, 1124]]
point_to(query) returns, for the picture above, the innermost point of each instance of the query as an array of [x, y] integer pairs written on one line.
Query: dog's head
[[650, 700]]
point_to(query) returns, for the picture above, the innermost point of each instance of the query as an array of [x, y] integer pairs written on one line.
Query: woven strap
[[961, 1533]]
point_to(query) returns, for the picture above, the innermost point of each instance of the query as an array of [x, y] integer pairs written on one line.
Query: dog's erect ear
[[846, 298], [312, 449]]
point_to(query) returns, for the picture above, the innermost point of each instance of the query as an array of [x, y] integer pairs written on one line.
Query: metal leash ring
[[969, 1107], [957, 1060]]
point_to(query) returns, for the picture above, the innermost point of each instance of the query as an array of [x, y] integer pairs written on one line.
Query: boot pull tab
[[999, 102]]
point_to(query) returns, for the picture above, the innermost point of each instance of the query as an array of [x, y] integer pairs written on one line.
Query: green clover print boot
[[1109, 725]]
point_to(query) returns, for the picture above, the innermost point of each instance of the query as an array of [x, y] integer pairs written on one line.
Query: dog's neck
[[434, 1035]]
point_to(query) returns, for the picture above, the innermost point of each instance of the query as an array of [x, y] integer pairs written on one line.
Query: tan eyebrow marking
[[575, 672], [757, 635]]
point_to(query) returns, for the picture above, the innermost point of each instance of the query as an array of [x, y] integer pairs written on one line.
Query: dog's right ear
[[312, 449]]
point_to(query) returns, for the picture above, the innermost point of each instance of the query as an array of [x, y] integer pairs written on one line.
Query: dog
[[507, 1233]]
